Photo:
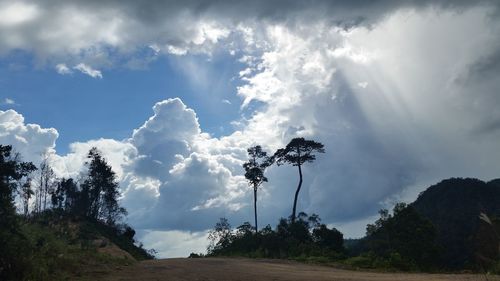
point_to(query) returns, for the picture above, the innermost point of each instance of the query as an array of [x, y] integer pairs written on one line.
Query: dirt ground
[[222, 269]]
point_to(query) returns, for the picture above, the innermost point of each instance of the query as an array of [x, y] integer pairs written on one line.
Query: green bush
[[362, 261], [403, 241], [195, 255], [304, 240]]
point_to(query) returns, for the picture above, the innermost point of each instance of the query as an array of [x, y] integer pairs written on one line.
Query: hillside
[[453, 206], [441, 230], [57, 247], [65, 228]]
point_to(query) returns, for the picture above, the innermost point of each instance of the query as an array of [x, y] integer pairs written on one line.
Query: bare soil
[[240, 269]]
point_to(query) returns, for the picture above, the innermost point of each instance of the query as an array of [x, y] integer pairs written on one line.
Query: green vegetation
[[306, 238], [453, 206], [487, 244], [451, 226], [402, 241], [65, 229], [56, 247]]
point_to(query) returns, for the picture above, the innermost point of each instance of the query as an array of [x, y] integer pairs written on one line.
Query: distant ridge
[[453, 206]]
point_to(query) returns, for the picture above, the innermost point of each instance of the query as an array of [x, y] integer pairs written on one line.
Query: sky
[[402, 94]]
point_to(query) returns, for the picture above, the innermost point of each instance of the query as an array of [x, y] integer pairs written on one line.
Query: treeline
[[94, 196], [403, 240], [48, 224], [300, 239], [451, 226]]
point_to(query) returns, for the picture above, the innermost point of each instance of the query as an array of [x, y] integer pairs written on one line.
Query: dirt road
[[225, 269]]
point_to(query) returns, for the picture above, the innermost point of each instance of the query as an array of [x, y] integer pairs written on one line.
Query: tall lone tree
[[298, 152], [254, 172]]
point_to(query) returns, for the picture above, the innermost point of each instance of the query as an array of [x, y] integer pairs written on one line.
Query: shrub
[[298, 240]]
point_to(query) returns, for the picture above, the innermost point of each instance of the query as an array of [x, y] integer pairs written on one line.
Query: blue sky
[[402, 94], [84, 108]]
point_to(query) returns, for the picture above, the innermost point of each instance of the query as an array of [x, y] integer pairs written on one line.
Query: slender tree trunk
[[25, 205], [255, 206], [26, 197], [39, 197], [40, 190], [297, 194], [45, 197], [35, 210]]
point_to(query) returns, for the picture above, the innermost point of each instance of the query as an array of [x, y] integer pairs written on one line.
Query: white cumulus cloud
[[30, 140], [88, 70], [63, 69], [9, 101]]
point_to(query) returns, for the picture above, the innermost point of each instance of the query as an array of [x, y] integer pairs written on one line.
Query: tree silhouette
[[297, 152], [220, 237], [25, 189], [45, 186], [100, 190], [70, 194], [393, 237], [254, 172], [12, 242]]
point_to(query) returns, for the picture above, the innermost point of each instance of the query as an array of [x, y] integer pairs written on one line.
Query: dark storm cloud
[[478, 91], [486, 67], [278, 10], [56, 28], [489, 127]]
